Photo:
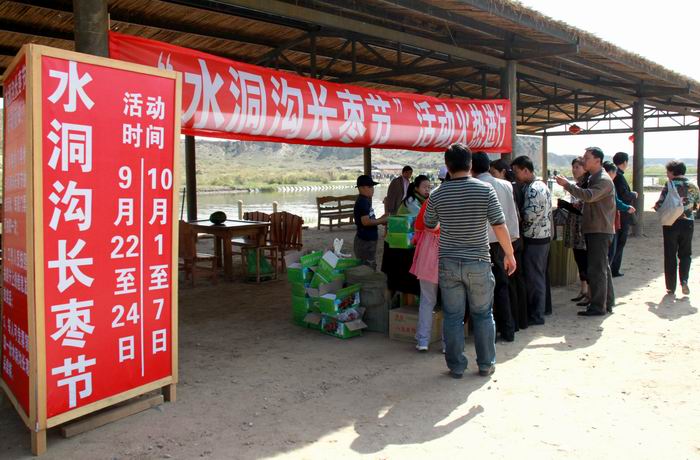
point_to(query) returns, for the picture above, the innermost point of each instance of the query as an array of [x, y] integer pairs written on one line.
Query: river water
[[300, 203]]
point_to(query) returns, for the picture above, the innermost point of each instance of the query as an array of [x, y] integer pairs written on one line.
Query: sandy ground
[[255, 386]]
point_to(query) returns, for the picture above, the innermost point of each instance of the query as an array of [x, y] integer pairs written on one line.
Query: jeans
[[600, 282], [461, 280], [619, 247], [501, 295], [535, 259], [428, 299], [678, 247]]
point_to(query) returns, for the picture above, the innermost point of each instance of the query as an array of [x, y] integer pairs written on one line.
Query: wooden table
[[224, 232]]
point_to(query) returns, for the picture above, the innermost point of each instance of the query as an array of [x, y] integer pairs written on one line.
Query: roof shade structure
[[444, 48]]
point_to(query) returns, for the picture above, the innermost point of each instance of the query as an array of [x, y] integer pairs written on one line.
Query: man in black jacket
[[621, 160]]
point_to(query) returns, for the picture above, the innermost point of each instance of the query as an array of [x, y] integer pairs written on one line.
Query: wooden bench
[[336, 208]]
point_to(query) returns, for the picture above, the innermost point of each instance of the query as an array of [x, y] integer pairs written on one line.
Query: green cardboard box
[[298, 274], [313, 321], [334, 303], [399, 240], [298, 289], [400, 224], [300, 308], [332, 263], [332, 326], [320, 278], [306, 259]]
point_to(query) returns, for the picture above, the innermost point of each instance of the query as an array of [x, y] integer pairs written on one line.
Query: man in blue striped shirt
[[465, 207]]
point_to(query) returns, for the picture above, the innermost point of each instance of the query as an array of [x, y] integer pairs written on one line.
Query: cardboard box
[[331, 262], [313, 321], [305, 259], [300, 308], [399, 240], [298, 289], [298, 274], [321, 278], [334, 303], [400, 224], [316, 293], [332, 326], [403, 321]]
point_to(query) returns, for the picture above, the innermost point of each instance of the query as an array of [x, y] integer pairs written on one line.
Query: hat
[[442, 172], [365, 180]]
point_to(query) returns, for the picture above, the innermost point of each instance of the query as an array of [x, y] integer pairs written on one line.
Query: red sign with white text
[[224, 98], [15, 315], [107, 165]]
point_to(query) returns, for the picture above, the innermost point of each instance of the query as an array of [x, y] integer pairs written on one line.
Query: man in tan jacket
[[598, 226], [397, 191]]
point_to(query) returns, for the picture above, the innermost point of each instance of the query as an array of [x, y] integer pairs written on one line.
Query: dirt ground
[[252, 385]]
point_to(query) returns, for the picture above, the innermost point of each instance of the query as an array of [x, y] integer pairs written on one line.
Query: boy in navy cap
[[365, 244]]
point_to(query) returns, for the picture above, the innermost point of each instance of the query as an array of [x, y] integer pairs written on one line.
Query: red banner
[[108, 149], [228, 99], [15, 315]]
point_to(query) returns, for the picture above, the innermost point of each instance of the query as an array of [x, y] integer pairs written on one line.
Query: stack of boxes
[[399, 232], [320, 298]]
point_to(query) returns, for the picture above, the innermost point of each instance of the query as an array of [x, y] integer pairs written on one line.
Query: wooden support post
[[509, 90], [638, 163], [545, 157], [367, 156], [38, 442], [170, 393], [240, 209], [91, 24], [191, 178]]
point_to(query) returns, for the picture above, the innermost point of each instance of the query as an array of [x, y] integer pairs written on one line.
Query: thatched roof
[[437, 47]]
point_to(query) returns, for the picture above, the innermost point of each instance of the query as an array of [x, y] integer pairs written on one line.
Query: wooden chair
[[336, 208], [188, 258], [285, 233], [249, 247]]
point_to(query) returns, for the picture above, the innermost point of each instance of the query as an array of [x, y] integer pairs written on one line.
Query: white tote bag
[[672, 207]]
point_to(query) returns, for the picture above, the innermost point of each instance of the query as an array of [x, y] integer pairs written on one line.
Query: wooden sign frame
[[36, 420]]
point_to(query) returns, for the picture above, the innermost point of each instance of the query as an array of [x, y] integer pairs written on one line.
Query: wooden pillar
[[91, 24], [367, 160], [190, 178], [509, 90], [638, 162], [545, 158]]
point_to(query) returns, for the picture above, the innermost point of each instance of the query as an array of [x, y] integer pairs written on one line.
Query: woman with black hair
[[396, 262]]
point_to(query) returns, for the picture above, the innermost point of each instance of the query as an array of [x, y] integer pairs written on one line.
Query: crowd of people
[[482, 241]]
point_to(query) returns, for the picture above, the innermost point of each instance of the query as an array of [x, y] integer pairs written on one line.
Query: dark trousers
[[678, 246], [501, 296], [518, 291], [581, 258], [599, 274], [619, 246], [535, 257]]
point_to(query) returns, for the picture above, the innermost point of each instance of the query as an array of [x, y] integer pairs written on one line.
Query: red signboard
[[107, 165], [224, 98], [15, 314]]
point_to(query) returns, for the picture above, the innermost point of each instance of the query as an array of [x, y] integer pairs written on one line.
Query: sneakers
[[685, 289], [455, 375], [488, 371], [422, 348]]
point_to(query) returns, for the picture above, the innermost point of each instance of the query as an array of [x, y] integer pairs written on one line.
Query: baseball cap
[[365, 180], [442, 172]]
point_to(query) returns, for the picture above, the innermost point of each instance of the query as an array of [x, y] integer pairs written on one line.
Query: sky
[[664, 32]]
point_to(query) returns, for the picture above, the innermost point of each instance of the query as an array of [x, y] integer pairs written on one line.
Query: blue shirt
[[363, 207]]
